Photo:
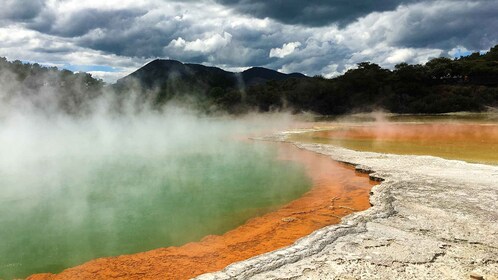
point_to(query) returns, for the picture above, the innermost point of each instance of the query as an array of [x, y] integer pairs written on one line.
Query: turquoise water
[[72, 190]]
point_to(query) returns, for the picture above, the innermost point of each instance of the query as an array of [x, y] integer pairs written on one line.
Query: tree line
[[441, 85]]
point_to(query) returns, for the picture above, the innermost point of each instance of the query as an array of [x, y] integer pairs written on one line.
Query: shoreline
[[324, 204], [431, 218]]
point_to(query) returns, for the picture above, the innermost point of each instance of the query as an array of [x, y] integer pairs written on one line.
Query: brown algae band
[[337, 191]]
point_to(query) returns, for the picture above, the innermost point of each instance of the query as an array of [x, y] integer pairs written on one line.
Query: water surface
[[472, 138], [337, 191], [72, 191]]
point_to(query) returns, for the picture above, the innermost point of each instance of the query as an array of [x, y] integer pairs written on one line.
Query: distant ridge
[[260, 75], [469, 83], [159, 72]]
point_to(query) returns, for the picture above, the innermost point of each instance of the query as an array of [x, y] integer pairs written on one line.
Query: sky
[[112, 38]]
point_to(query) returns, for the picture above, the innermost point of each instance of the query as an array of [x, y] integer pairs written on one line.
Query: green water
[[61, 211]]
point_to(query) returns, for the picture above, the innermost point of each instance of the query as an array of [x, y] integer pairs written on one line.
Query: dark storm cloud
[[312, 12], [469, 24], [138, 43], [136, 36], [118, 31], [81, 22], [20, 10]]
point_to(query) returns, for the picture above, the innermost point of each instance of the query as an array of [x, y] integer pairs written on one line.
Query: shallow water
[[60, 212], [131, 204], [337, 191], [467, 138]]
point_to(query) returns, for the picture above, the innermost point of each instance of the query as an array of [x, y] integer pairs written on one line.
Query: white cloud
[[110, 77], [206, 45], [178, 43], [286, 50], [400, 55]]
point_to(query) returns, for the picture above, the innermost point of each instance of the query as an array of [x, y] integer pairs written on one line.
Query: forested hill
[[169, 79], [47, 88], [159, 72], [441, 85]]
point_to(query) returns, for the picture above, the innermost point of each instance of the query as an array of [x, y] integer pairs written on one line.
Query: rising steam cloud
[[75, 186]]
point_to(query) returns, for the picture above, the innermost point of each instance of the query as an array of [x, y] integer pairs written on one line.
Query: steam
[[33, 127], [51, 160], [39, 144]]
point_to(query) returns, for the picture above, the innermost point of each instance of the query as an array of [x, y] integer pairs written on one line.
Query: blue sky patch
[[459, 53], [89, 68]]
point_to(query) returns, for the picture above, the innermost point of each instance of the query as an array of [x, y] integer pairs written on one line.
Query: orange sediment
[[448, 132], [463, 141], [337, 191]]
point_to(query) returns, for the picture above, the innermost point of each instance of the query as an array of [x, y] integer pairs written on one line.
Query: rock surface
[[431, 219]]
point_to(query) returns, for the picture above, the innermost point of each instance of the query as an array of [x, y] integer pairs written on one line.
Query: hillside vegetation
[[47, 88], [441, 85]]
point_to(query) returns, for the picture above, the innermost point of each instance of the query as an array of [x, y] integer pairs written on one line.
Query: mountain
[[163, 73], [259, 75], [441, 85]]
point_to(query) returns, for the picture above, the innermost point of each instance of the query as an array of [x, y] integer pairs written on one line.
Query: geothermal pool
[[129, 204], [337, 191], [76, 189], [59, 214]]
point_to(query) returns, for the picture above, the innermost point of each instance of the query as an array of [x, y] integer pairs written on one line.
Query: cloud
[[459, 51], [206, 45], [20, 10], [31, 46], [400, 55], [109, 76], [439, 24], [286, 50], [312, 12], [80, 22], [402, 35], [313, 37]]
